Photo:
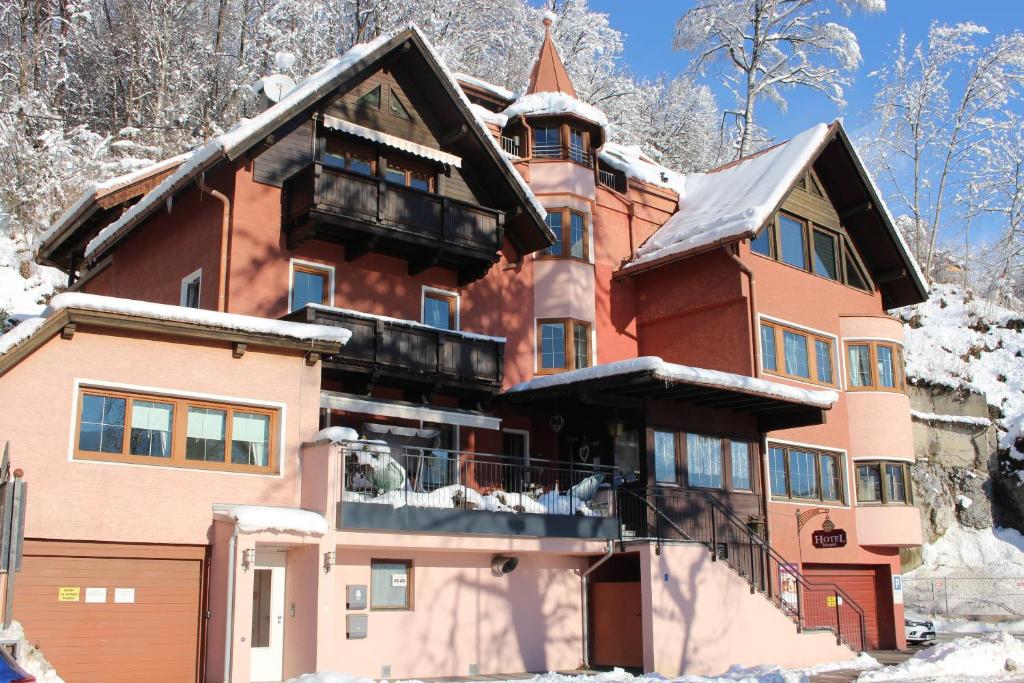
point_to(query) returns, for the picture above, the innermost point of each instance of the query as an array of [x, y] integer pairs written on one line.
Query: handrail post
[[714, 536], [753, 568], [839, 621]]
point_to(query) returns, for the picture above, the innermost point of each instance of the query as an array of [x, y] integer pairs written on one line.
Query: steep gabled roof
[[532, 232], [548, 73], [733, 202]]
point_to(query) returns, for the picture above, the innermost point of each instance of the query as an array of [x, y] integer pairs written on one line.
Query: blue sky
[[648, 26]]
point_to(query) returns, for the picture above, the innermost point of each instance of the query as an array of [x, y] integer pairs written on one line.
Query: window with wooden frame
[[405, 174], [310, 284], [702, 461], [133, 427], [807, 246], [347, 156], [191, 289], [875, 366], [797, 354], [884, 483], [396, 107], [562, 344], [578, 151], [572, 234], [391, 585], [440, 309], [803, 473]]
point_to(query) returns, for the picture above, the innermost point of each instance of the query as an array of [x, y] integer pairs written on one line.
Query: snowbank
[[251, 519], [985, 657], [31, 659], [963, 552], [944, 625]]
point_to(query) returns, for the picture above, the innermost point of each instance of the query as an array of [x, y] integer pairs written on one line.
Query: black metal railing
[[611, 180], [442, 478], [663, 514]]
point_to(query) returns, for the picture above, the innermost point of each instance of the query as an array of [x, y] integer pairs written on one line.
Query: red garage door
[[869, 586], [104, 612]]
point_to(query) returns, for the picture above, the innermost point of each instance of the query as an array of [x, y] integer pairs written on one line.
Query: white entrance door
[[267, 640]]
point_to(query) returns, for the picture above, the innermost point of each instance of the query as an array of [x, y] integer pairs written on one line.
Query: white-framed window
[[439, 308], [191, 289], [309, 283]]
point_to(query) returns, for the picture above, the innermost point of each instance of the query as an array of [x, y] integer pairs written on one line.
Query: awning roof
[[773, 404], [336, 400], [393, 141]]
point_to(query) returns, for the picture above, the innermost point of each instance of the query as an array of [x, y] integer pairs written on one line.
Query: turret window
[[577, 146], [875, 366], [563, 344], [571, 232], [547, 142]]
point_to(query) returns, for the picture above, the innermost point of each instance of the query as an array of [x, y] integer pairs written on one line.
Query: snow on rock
[[988, 657], [964, 552], [733, 201], [672, 372], [252, 519], [283, 60], [965, 420], [336, 435], [543, 103], [964, 501], [30, 658], [17, 292]]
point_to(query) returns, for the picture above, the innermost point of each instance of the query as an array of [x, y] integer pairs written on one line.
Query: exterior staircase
[[668, 516]]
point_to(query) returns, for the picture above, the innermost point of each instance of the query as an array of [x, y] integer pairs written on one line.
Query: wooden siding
[[291, 152], [816, 209]]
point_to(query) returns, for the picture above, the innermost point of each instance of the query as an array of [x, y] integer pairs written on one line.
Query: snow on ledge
[[967, 420], [488, 116], [392, 141], [253, 519], [402, 321], [336, 435], [672, 372], [539, 103]]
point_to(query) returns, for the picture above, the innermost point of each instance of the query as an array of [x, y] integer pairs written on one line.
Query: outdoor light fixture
[[330, 559], [616, 426], [248, 558]]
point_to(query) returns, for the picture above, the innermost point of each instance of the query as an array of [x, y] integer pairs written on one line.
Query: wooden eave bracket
[[312, 358], [237, 349], [68, 331]]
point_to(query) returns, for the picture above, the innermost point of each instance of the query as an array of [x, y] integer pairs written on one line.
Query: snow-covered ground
[[991, 657], [30, 659], [963, 552]]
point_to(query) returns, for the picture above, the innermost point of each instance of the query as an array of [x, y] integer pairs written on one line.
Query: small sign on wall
[[124, 595], [399, 580], [95, 594], [897, 589], [69, 594]]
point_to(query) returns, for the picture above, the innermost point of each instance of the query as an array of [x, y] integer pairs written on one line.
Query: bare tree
[[761, 48]]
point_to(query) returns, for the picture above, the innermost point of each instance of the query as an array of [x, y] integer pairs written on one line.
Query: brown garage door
[[113, 612], [869, 587]]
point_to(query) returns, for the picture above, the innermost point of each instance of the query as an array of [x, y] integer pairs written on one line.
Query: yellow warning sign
[[68, 593], [830, 600]]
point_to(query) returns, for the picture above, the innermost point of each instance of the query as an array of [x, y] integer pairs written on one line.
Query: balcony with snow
[[374, 484]]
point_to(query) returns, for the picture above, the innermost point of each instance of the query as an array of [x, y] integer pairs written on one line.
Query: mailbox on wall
[[355, 626], [355, 597]]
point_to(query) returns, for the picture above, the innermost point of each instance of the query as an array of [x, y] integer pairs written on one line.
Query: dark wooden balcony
[[409, 354], [370, 214]]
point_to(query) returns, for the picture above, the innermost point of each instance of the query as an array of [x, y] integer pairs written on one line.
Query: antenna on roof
[[272, 89]]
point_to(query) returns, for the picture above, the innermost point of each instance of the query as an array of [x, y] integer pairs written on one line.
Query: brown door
[[869, 587], [113, 612], [616, 626]]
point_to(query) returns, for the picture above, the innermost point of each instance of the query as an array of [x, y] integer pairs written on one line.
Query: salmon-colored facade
[[539, 426]]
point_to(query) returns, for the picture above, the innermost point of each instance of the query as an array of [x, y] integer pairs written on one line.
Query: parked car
[[919, 631]]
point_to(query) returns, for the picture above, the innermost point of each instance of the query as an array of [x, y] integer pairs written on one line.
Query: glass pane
[[205, 434], [250, 439], [825, 255], [334, 160], [360, 165], [370, 99], [547, 142], [192, 294], [554, 221], [831, 484], [307, 288], [151, 428], [853, 276], [791, 242], [896, 485], [437, 312], [768, 352], [860, 365], [577, 149], [704, 461], [395, 175], [419, 181], [389, 585], [101, 429], [823, 359], [741, 466], [665, 457], [762, 243], [577, 232], [883, 361], [795, 347], [397, 108], [552, 346], [777, 471], [869, 484], [581, 345], [803, 474]]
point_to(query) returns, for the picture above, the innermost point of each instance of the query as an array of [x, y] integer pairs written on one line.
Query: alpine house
[[413, 376]]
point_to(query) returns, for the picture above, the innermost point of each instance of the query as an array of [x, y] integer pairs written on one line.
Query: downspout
[[225, 231], [229, 615], [754, 335], [585, 600]]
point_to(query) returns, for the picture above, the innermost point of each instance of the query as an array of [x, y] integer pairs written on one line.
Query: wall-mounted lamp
[[248, 558], [330, 559]]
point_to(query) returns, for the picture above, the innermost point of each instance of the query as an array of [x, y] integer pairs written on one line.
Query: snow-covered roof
[[672, 372], [488, 116], [734, 201], [401, 321], [254, 519], [543, 103], [239, 138], [165, 312], [632, 161], [393, 141], [497, 90]]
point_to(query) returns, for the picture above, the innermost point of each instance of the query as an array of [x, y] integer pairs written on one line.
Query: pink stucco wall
[[88, 500], [700, 618], [898, 525]]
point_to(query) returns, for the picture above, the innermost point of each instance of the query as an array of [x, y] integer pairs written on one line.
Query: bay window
[[875, 366], [571, 234], [704, 461], [883, 483], [788, 351], [709, 462], [563, 344], [805, 473]]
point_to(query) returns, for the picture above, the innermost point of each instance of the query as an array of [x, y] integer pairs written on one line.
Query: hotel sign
[[833, 538]]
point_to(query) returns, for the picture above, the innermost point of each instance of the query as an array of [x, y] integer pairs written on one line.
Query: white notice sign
[[95, 594], [897, 589], [399, 580], [124, 595]]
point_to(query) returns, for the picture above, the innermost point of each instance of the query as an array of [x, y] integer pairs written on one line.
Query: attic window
[[398, 109], [370, 99]]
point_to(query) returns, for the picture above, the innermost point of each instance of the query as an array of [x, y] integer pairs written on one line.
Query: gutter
[[754, 334], [225, 232], [585, 600]]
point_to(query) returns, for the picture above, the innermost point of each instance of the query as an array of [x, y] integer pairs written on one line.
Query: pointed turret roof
[[549, 74]]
